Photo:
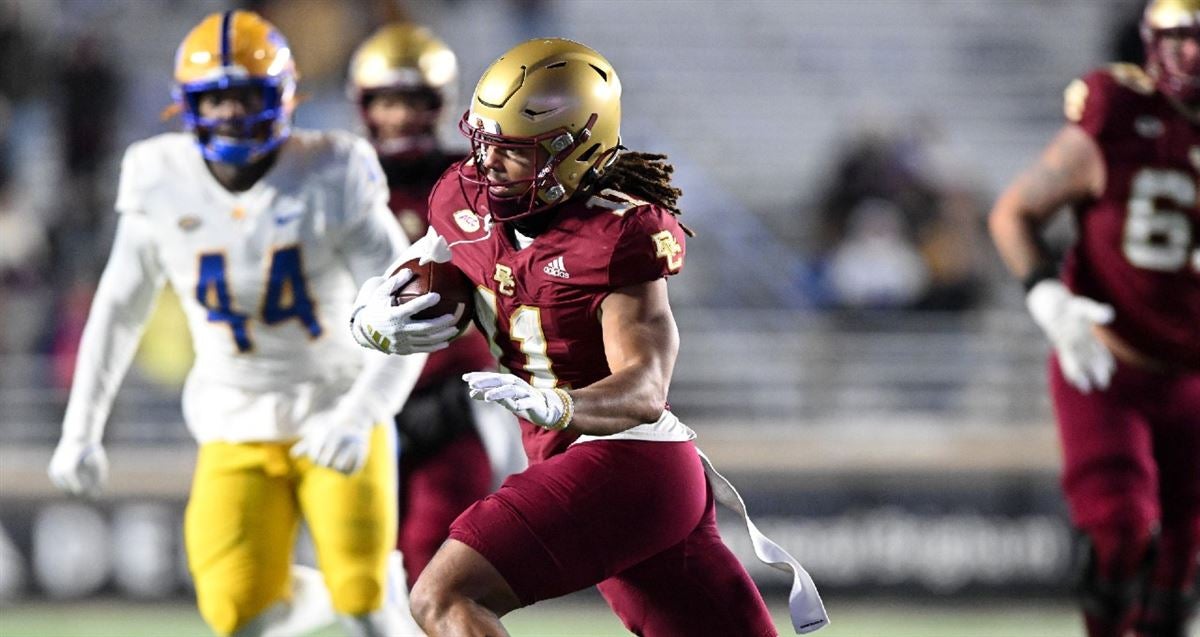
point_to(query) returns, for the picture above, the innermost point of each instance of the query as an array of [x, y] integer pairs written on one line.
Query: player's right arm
[[123, 301], [1070, 170]]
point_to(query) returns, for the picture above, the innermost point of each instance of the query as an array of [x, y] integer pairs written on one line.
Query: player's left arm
[[641, 342], [1070, 169]]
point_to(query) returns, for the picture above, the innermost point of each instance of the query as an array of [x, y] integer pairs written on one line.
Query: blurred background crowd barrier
[[853, 354]]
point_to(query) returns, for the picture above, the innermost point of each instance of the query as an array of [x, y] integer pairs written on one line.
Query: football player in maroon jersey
[[401, 78], [1123, 317], [569, 239]]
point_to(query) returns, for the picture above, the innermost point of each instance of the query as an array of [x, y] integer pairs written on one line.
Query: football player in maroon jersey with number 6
[[569, 240], [1123, 317]]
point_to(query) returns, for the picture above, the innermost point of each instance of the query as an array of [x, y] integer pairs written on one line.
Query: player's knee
[[358, 594], [224, 615], [229, 604]]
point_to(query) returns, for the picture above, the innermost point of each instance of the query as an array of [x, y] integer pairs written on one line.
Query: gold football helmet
[[230, 50], [1174, 73], [407, 59], [555, 95]]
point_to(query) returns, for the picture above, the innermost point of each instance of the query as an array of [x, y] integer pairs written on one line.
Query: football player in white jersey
[[264, 232]]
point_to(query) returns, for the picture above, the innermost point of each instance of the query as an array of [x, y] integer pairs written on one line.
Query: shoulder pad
[[1132, 77]]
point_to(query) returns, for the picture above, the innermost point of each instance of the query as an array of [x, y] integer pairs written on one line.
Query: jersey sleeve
[[128, 287], [1096, 100], [651, 246], [131, 186], [370, 238]]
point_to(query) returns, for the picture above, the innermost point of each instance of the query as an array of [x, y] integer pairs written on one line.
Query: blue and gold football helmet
[[236, 49]]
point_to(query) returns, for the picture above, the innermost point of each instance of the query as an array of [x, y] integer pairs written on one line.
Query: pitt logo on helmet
[[236, 50]]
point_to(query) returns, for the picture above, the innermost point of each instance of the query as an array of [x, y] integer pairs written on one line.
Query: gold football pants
[[244, 512]]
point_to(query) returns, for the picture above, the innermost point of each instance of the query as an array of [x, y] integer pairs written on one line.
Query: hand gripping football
[[456, 290]]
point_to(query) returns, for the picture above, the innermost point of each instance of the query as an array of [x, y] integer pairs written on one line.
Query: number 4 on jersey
[[286, 295]]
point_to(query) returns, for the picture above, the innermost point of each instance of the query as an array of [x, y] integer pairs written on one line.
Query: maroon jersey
[[1139, 245], [540, 305], [410, 187]]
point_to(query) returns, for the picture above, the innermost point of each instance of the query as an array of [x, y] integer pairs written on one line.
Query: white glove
[[1067, 320], [79, 468], [546, 408], [336, 440], [377, 324]]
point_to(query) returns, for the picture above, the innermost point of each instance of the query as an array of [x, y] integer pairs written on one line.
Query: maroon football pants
[[433, 491], [1131, 463], [638, 519]]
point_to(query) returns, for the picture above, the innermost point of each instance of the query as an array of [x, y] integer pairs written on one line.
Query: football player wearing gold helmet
[[452, 450], [1122, 315], [570, 240], [263, 231]]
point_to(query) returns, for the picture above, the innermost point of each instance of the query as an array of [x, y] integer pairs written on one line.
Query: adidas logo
[[556, 268]]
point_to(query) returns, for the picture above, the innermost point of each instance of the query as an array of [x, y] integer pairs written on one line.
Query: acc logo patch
[[467, 220], [188, 223]]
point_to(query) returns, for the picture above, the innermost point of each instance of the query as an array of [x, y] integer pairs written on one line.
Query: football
[[456, 290]]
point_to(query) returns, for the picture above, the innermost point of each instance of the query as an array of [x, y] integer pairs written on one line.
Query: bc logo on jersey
[[504, 276], [666, 246]]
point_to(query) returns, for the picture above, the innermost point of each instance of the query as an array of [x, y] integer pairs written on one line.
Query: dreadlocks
[[645, 176]]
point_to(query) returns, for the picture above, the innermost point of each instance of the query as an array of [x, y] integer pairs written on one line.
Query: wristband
[[1039, 273], [568, 410]]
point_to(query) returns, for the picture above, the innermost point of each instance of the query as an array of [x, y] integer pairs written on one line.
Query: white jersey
[[267, 279]]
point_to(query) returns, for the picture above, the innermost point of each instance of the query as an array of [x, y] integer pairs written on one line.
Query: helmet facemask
[[544, 190], [405, 62], [243, 139], [418, 135]]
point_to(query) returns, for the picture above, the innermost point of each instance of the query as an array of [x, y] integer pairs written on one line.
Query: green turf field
[[576, 617]]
